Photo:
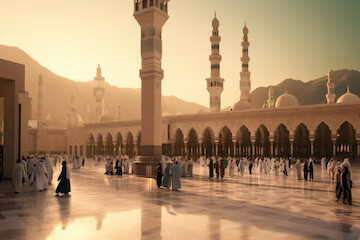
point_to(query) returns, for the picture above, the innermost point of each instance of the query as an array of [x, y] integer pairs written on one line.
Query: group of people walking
[[38, 172]]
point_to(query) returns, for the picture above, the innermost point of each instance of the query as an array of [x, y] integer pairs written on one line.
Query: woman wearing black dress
[[64, 178]]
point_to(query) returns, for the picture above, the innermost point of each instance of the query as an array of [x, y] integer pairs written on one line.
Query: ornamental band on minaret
[[151, 15], [245, 84], [215, 84]]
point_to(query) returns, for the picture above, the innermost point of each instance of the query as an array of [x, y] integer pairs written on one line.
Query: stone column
[[252, 147], [271, 147], [200, 148], [234, 147], [186, 150]]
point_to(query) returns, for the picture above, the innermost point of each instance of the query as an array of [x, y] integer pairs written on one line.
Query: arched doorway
[[281, 142], [302, 144], [208, 143], [323, 146], [109, 149], [130, 145], [262, 142], [193, 144], [346, 146], [119, 144], [100, 145], [226, 147], [90, 150], [179, 143], [243, 144]]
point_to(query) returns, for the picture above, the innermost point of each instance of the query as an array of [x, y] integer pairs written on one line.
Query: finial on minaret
[[215, 14], [348, 88]]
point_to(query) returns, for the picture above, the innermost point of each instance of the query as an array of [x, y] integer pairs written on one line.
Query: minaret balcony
[[140, 5]]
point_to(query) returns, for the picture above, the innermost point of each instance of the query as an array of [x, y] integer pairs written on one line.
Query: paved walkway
[[128, 207]]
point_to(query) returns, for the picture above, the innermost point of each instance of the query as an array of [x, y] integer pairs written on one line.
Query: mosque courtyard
[[130, 207]]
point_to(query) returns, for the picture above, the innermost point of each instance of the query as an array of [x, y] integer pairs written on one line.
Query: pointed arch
[[109, 147], [346, 145], [226, 147], [119, 144], [100, 145], [323, 146], [130, 145], [281, 141], [208, 142], [138, 143], [262, 141], [193, 143], [302, 144], [179, 143], [243, 143]]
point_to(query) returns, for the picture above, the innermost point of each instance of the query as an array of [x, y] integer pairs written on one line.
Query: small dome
[[241, 105], [286, 100], [105, 118], [349, 98], [202, 110]]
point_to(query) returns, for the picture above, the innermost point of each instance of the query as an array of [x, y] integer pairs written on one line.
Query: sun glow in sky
[[300, 39]]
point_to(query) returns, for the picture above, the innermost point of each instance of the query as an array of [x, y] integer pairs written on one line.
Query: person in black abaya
[[118, 167], [64, 178], [158, 175]]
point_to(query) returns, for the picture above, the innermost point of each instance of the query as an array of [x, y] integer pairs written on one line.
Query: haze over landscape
[[303, 42]]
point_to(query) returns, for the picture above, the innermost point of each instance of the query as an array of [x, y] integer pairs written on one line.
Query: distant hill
[[58, 91], [311, 92]]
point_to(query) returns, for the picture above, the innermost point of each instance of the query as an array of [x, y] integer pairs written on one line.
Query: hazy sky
[[300, 39]]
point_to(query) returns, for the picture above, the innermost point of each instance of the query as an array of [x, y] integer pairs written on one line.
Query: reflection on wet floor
[[128, 207]]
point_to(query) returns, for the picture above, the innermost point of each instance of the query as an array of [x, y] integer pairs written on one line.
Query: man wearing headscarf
[[298, 169], [175, 177], [167, 179], [49, 168]]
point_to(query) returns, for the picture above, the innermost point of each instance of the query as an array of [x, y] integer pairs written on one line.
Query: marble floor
[[128, 207]]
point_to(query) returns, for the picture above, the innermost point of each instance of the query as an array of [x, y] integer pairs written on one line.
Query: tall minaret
[[330, 96], [99, 93], [152, 16], [215, 84], [245, 84], [40, 118]]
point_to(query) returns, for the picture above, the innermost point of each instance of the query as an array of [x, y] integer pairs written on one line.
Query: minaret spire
[[245, 83], [215, 84]]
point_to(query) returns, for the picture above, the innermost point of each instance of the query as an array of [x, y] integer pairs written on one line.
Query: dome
[[286, 100], [241, 105], [349, 98], [105, 118], [202, 110]]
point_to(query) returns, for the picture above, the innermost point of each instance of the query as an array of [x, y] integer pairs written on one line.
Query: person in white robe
[[232, 167], [39, 177], [30, 166], [331, 169], [276, 167], [242, 167], [163, 164], [190, 167], [175, 177], [49, 168], [298, 168], [19, 176], [23, 162], [261, 166]]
